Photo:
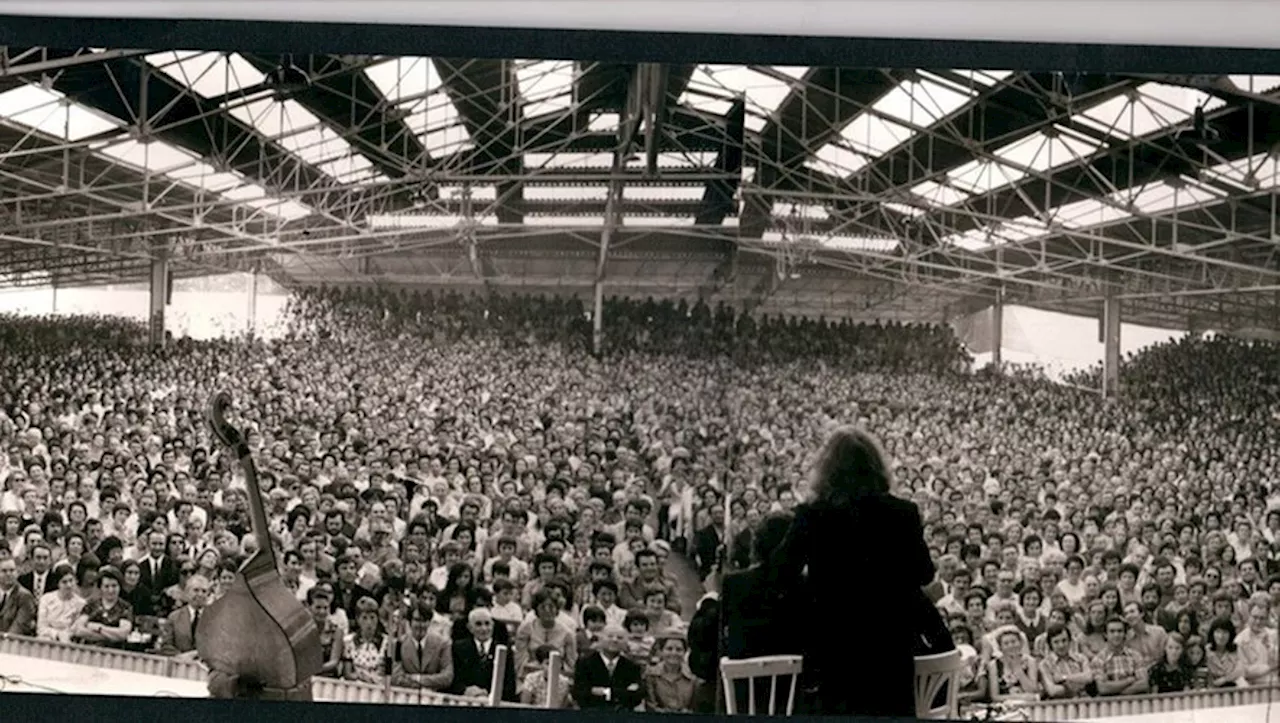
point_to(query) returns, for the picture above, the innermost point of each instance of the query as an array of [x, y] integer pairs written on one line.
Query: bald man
[[473, 660], [605, 679]]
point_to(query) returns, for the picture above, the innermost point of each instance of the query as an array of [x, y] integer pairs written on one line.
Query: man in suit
[[17, 604], [159, 571], [180, 632], [605, 680], [39, 581], [473, 660], [422, 659]]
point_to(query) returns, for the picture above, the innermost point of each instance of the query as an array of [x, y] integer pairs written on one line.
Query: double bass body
[[258, 635]]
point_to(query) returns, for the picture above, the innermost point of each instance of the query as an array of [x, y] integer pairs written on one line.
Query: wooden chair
[[933, 672], [753, 670]]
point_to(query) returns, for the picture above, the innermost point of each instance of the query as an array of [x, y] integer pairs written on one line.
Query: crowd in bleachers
[[446, 472]]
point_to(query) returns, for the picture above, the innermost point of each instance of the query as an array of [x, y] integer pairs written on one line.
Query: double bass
[[258, 640]]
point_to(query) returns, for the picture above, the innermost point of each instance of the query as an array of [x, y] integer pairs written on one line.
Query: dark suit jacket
[[706, 547], [432, 669], [469, 669], [626, 684], [18, 612], [28, 579], [170, 575], [876, 538], [758, 619], [180, 636]]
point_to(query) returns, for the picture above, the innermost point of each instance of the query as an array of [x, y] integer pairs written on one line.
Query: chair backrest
[[752, 670], [499, 680], [933, 672]]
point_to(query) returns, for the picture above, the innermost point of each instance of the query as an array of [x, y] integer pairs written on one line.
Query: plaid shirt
[[1111, 665], [1054, 666]]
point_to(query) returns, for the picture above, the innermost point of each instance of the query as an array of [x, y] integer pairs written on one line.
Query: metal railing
[[1075, 709]]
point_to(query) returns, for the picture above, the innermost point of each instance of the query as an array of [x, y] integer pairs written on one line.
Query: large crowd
[[444, 473]]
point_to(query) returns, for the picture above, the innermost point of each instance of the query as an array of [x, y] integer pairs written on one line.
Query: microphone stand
[[393, 653]]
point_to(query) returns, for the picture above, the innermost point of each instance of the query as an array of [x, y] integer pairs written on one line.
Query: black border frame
[[469, 42]]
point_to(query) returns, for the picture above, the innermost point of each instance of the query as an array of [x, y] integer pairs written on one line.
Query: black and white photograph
[[665, 387]]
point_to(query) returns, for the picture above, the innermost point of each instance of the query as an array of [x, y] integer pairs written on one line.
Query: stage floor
[[32, 675]]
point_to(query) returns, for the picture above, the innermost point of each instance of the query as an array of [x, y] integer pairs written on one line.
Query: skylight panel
[[1087, 213], [383, 222], [859, 243], [566, 193], [350, 169], [1257, 172], [545, 85], [984, 78], [1042, 151], [155, 156], [206, 177], [663, 193], [712, 89], [407, 78], [255, 196], [207, 74], [874, 136], [531, 220], [437, 123], [52, 113], [1036, 153], [921, 102], [1260, 84], [603, 122], [537, 161], [1150, 108], [836, 159], [904, 209], [658, 221], [982, 176], [975, 239], [1018, 230], [413, 86], [938, 194], [1161, 197], [301, 133]]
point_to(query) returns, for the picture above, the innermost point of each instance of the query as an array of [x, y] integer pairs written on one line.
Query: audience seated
[[456, 459]]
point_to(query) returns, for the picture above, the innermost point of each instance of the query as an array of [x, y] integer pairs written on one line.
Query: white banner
[[1216, 23]]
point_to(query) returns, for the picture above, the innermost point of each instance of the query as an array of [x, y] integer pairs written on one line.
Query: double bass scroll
[[258, 633]]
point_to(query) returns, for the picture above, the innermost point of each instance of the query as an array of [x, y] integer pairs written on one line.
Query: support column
[[252, 325], [997, 331], [597, 318], [159, 297], [1111, 344]]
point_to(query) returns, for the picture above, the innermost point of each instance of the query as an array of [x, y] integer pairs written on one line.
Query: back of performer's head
[[769, 534], [850, 465]]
